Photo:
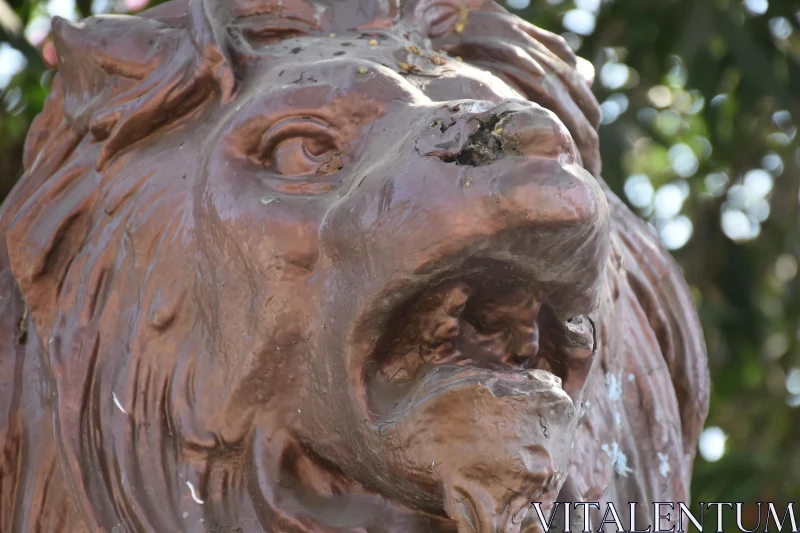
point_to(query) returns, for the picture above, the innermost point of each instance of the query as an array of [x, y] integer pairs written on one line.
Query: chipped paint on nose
[[479, 132]]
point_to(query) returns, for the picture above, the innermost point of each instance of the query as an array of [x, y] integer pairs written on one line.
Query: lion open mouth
[[479, 355], [474, 325]]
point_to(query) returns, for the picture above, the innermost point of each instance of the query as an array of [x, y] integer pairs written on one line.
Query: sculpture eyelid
[[291, 127]]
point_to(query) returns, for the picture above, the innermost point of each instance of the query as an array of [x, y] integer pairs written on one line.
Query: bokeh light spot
[[773, 163], [785, 268], [793, 381], [614, 76], [659, 95], [579, 21], [756, 7], [669, 122], [668, 200], [737, 226], [716, 183], [592, 6], [676, 232], [62, 8], [780, 27], [758, 183], [518, 4], [639, 190], [12, 61], [712, 443], [683, 160]]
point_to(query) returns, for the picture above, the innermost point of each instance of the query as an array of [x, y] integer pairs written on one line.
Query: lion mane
[[99, 386]]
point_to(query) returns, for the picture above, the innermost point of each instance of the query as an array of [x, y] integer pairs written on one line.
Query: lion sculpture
[[316, 266]]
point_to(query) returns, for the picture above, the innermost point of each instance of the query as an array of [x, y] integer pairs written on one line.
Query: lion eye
[[301, 147]]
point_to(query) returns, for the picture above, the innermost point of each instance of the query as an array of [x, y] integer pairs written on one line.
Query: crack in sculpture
[[375, 301]]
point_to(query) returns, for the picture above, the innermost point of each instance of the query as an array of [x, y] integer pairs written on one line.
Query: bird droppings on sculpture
[[298, 266]]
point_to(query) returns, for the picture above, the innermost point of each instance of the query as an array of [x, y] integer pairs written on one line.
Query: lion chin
[[324, 267]]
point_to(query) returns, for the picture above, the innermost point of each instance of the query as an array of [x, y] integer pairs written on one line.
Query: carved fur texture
[[250, 231]]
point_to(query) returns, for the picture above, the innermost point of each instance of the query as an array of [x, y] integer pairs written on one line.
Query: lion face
[[442, 256], [325, 277]]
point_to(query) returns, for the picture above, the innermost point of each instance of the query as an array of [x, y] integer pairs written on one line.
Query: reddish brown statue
[[318, 266]]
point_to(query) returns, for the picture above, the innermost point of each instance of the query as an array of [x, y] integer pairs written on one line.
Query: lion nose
[[479, 133], [483, 182]]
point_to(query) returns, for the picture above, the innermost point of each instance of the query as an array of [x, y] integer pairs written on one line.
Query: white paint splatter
[[194, 494], [185, 514], [617, 419], [663, 466], [618, 459], [614, 385], [117, 403], [318, 11], [631, 377]]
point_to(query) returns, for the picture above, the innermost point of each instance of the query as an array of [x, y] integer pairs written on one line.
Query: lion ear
[[123, 77], [97, 55]]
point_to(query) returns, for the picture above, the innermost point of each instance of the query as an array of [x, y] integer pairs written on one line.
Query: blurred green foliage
[[699, 102]]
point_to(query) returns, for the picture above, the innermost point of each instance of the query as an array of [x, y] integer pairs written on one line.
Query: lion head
[[312, 266]]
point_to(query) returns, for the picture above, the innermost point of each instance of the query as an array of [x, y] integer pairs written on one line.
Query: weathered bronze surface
[[331, 266]]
